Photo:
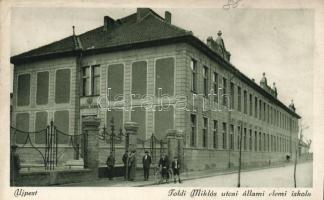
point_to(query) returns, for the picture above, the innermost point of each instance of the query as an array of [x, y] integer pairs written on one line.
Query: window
[[238, 137], [62, 86], [224, 136], [138, 115], [275, 143], [193, 130], [61, 121], [139, 76], [260, 141], [117, 114], [264, 142], [256, 107], [205, 132], [268, 143], [260, 110], [115, 81], [193, 66], [232, 95], [224, 91], [164, 76], [244, 139], [40, 124], [215, 80], [22, 124], [264, 112], [215, 134], [163, 121], [42, 88], [232, 137], [23, 93], [95, 84], [205, 74], [238, 98], [250, 105], [250, 139], [245, 101], [86, 81], [255, 141], [271, 142]]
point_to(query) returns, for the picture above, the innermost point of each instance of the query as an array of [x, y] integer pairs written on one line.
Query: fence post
[[175, 145], [90, 126]]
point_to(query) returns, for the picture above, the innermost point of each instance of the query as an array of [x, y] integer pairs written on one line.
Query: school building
[[143, 68]]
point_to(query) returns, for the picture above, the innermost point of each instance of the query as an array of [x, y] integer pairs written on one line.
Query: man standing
[[110, 165], [164, 166], [125, 161], [176, 169], [146, 165], [14, 165]]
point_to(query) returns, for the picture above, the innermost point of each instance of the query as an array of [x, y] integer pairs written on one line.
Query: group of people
[[164, 166], [129, 161]]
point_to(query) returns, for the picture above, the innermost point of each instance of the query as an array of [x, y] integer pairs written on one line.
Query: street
[[273, 177]]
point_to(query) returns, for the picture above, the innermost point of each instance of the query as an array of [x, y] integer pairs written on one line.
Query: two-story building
[[143, 68]]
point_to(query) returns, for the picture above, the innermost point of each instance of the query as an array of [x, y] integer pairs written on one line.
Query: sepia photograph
[[160, 97], [161, 100]]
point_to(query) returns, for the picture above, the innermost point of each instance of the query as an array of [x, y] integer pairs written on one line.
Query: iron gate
[[47, 143]]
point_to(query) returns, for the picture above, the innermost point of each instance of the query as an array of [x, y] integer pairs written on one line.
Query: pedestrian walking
[[176, 169], [146, 165], [132, 166], [14, 164], [164, 166], [110, 166]]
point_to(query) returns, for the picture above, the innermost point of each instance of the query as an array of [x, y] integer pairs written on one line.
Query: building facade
[[142, 68]]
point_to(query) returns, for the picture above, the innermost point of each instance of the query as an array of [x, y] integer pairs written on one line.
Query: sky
[[279, 42]]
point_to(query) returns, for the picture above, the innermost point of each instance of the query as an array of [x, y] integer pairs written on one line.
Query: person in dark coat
[[176, 169], [146, 165], [110, 166], [132, 166], [14, 164], [164, 166], [125, 160]]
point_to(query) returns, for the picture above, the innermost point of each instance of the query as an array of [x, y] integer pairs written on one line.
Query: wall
[[55, 177]]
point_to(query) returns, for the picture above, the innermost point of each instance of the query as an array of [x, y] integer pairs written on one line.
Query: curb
[[229, 172]]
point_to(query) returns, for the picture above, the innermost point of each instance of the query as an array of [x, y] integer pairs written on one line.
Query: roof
[[129, 32]]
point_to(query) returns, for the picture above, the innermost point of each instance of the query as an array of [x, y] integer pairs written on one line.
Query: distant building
[[145, 54]]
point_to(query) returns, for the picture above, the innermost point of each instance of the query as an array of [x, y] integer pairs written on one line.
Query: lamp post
[[231, 145]]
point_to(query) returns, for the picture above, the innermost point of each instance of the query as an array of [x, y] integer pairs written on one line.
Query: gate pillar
[[131, 134], [90, 127], [175, 145]]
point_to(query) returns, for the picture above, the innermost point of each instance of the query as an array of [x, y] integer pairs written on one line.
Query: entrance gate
[[47, 143]]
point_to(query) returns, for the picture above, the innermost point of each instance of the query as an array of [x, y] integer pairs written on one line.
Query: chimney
[[108, 23], [142, 12], [210, 42], [167, 17]]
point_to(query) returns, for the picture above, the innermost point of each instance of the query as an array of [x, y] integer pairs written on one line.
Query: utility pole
[[240, 158]]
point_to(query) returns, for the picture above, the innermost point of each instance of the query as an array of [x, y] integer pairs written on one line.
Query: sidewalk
[[139, 182]]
